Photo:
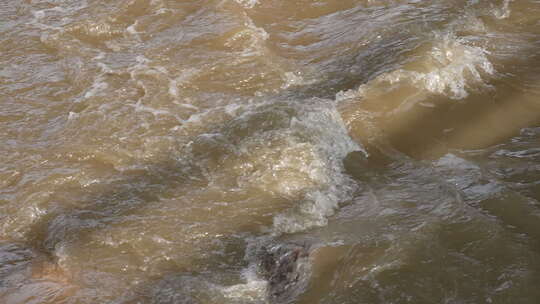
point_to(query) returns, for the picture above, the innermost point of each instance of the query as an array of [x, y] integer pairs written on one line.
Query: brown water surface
[[150, 149]]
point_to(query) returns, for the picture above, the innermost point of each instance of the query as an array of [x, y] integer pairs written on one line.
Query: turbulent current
[[269, 151]]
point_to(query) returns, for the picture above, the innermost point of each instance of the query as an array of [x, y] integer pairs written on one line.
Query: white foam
[[253, 290], [300, 158], [173, 88], [457, 60], [131, 29], [97, 87], [255, 36], [247, 3], [95, 29], [292, 79], [40, 16], [139, 107], [184, 76], [72, 115], [454, 66], [327, 185]]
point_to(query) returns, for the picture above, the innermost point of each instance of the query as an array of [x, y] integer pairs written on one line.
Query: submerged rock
[[286, 268]]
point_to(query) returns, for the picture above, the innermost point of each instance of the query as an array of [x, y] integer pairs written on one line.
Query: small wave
[[286, 150], [309, 168], [100, 30], [254, 289], [247, 3], [251, 39], [451, 67]]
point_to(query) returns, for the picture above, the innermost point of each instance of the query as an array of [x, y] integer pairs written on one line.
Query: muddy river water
[[269, 151]]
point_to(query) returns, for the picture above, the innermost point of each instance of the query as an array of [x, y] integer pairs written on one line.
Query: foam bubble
[[289, 151], [253, 290], [100, 29], [453, 66], [131, 29], [457, 60], [247, 3], [294, 79], [251, 39], [328, 185]]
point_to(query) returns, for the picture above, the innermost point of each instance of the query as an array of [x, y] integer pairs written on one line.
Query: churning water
[[271, 151]]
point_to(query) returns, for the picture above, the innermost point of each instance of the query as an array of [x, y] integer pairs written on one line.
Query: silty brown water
[[158, 151]]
